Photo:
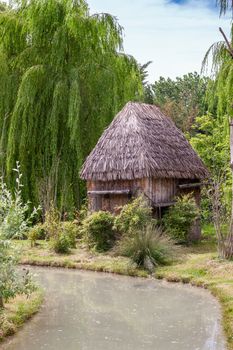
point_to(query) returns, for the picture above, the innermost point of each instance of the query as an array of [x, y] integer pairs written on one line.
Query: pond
[[97, 311]]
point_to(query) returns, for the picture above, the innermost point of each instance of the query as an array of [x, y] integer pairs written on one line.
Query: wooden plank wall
[[112, 202], [161, 190], [158, 190]]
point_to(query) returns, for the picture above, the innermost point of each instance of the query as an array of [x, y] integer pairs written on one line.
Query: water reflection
[[93, 311]]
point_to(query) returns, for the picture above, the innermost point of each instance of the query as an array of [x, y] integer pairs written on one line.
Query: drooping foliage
[[225, 5], [63, 78], [212, 138]]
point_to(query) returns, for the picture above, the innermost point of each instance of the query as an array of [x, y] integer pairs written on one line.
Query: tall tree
[[148, 92], [183, 99], [63, 77], [220, 98]]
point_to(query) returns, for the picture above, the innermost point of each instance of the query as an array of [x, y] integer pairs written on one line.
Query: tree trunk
[[229, 240], [1, 303]]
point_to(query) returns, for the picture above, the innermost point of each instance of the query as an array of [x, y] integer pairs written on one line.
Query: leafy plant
[[62, 235], [13, 223], [70, 230], [52, 222], [61, 243], [98, 230], [148, 247], [133, 216], [35, 233], [180, 217], [15, 218]]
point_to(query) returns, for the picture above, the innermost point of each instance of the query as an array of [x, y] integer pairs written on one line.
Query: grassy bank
[[79, 258], [197, 265], [17, 311]]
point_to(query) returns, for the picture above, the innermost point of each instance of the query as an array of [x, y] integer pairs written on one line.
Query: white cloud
[[174, 37]]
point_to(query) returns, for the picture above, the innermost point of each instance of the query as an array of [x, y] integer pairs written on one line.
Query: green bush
[[37, 232], [52, 223], [180, 217], [98, 230], [13, 224], [148, 247], [71, 230], [60, 243], [133, 216], [62, 235]]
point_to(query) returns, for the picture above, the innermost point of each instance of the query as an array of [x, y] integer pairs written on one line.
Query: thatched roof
[[142, 142]]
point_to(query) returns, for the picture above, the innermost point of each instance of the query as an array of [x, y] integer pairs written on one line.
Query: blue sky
[[174, 34]]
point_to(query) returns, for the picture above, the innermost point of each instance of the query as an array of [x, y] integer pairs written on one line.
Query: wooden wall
[[156, 190], [112, 202], [161, 190]]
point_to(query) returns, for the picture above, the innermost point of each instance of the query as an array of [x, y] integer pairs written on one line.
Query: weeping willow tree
[[63, 77]]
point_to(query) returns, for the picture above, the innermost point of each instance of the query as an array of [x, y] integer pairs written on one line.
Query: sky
[[174, 34]]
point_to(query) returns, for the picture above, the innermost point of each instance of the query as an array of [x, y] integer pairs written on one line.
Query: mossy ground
[[197, 264], [17, 311]]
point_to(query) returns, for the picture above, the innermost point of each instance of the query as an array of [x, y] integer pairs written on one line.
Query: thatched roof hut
[[142, 142], [142, 150]]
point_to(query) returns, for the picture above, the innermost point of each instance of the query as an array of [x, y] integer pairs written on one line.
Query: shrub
[[52, 223], [148, 247], [61, 243], [71, 230], [180, 217], [133, 216], [62, 235], [98, 230], [35, 233], [12, 208], [15, 218]]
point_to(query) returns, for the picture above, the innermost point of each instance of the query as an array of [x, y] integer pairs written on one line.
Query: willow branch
[[229, 47]]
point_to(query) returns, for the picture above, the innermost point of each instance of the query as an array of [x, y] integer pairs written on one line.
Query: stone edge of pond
[[22, 310], [216, 291]]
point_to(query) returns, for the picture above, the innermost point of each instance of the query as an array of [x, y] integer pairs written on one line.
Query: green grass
[[80, 258], [17, 311]]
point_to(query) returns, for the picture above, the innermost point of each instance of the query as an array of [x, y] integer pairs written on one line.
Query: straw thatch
[[142, 142]]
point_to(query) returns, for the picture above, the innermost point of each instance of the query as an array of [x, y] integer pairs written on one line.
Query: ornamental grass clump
[[180, 217], [148, 247], [98, 230]]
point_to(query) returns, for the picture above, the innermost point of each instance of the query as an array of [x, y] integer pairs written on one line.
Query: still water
[[95, 311]]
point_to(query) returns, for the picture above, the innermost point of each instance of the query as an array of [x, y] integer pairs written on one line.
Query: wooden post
[[229, 242], [231, 143]]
